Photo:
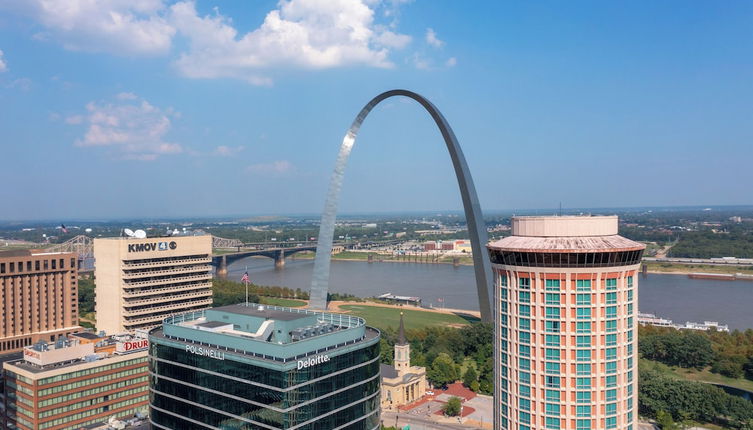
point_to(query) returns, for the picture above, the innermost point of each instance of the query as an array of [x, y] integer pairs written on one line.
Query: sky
[[158, 108]]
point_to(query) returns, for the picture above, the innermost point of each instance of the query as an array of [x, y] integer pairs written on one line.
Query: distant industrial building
[[38, 297], [402, 383], [566, 329], [140, 282], [460, 245], [264, 367], [77, 381]]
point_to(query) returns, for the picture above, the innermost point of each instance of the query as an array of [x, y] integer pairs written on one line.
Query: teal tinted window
[[583, 425], [552, 340], [583, 355], [524, 364], [611, 395], [583, 397], [503, 280], [524, 297], [583, 368], [525, 417], [552, 423], [524, 283], [611, 422], [583, 411], [583, 299], [611, 367], [524, 324], [611, 298], [553, 368], [552, 326], [524, 350], [524, 337], [583, 341], [611, 325], [582, 383], [552, 354], [611, 311], [583, 285], [611, 381], [583, 313], [553, 284], [553, 409], [524, 390], [552, 312], [524, 310], [612, 284], [611, 339], [524, 377], [583, 327], [525, 404], [552, 381], [552, 299], [630, 281], [611, 353], [552, 396]]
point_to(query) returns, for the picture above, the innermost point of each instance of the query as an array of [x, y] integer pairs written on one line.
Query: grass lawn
[[290, 303], [706, 376], [350, 255], [381, 317]]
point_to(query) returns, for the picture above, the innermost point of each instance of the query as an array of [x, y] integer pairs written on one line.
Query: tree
[[727, 367], [748, 367], [452, 407], [665, 421], [442, 370], [469, 377]]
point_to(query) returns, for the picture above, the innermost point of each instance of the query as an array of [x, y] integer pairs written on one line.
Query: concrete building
[[264, 367], [565, 305], [76, 382], [402, 383], [38, 297], [140, 282]]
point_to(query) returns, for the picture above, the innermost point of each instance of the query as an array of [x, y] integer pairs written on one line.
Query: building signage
[[207, 352], [132, 345], [153, 246], [31, 353], [312, 361]]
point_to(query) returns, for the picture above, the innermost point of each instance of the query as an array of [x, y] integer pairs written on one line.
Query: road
[[419, 423]]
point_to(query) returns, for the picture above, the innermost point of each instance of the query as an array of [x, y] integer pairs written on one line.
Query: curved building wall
[[566, 340]]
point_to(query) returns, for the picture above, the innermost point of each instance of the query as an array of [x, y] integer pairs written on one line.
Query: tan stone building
[[38, 297], [402, 383], [140, 282]]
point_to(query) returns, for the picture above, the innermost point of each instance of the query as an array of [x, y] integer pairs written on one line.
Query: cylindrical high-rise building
[[565, 306]]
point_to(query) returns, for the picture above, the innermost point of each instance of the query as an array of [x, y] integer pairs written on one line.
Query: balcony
[[195, 260], [202, 276], [171, 271], [173, 306], [142, 293], [143, 301]]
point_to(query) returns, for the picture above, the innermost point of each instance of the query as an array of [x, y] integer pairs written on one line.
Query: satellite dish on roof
[[128, 232], [139, 234]]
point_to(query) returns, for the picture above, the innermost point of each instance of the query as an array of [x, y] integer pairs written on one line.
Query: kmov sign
[[312, 361]]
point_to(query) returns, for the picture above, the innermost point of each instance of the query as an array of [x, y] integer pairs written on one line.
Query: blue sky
[[157, 108]]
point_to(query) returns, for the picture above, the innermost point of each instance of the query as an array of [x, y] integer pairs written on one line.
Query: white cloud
[[276, 167], [451, 62], [310, 34], [227, 151], [421, 62], [23, 84], [135, 129], [116, 26], [432, 39], [3, 65], [127, 96]]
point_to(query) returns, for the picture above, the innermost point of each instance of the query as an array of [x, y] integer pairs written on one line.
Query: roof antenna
[[560, 208]]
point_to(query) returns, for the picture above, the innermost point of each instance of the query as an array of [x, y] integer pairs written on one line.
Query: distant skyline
[[160, 109]]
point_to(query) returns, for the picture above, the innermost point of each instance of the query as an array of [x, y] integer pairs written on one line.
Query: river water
[[676, 297]]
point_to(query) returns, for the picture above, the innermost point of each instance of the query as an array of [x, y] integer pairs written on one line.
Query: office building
[[402, 383], [140, 282], [264, 367], [76, 382], [38, 297], [565, 305]]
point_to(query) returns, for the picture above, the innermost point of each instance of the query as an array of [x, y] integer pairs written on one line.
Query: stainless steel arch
[[473, 216]]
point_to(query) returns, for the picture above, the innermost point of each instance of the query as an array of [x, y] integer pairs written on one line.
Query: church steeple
[[402, 350], [401, 332]]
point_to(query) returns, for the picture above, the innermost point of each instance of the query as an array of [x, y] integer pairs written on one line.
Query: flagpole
[[246, 287]]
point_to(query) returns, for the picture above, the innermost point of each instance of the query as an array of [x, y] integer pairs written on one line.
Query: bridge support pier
[[280, 259], [222, 268]]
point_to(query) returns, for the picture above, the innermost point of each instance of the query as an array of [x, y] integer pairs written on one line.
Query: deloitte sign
[[312, 361]]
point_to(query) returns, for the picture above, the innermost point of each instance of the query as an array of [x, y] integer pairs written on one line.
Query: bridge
[[83, 246], [220, 262]]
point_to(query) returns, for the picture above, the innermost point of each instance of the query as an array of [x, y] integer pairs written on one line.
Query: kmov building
[[249, 367], [565, 304]]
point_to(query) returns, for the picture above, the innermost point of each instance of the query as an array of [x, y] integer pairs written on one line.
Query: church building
[[402, 383]]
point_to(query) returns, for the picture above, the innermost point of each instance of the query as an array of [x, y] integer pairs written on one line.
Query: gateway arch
[[473, 216]]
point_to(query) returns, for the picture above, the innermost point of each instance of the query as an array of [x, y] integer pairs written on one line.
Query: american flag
[[62, 227], [245, 277]]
